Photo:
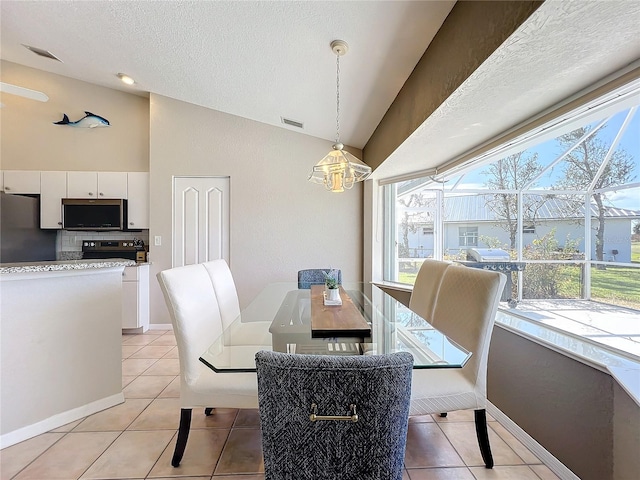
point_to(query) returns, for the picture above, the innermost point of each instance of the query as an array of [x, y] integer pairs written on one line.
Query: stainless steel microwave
[[94, 214]]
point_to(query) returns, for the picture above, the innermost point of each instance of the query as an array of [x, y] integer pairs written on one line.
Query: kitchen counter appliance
[[22, 240], [94, 214], [129, 249]]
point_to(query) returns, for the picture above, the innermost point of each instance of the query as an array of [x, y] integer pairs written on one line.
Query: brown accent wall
[[469, 35], [576, 412]]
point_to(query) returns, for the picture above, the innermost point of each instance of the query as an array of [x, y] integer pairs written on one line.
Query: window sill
[[400, 287]]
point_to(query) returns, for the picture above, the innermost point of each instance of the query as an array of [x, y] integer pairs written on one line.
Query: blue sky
[[550, 150]]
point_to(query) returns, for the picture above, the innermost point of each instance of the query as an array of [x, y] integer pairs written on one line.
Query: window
[[561, 199], [468, 236]]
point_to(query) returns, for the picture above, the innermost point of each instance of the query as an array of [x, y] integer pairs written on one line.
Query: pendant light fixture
[[339, 170]]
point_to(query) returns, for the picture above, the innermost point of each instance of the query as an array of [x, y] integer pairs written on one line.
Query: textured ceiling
[[260, 60], [562, 48]]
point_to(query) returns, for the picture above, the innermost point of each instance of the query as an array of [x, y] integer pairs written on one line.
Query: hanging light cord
[[338, 98]]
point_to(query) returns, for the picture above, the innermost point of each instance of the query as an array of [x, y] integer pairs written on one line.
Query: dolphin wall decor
[[88, 121]]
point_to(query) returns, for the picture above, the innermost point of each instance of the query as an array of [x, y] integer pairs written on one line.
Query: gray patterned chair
[[292, 387], [314, 276]]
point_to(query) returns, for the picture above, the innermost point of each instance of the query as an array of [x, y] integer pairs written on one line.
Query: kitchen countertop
[[62, 265]]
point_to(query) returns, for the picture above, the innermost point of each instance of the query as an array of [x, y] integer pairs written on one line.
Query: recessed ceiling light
[[126, 79]]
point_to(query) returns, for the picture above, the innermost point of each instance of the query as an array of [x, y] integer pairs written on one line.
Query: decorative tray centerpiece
[[343, 320]]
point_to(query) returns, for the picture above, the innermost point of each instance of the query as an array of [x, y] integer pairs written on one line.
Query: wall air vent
[[293, 123], [42, 53]]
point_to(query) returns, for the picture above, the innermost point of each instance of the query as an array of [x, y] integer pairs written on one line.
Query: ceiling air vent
[[42, 53], [293, 123]]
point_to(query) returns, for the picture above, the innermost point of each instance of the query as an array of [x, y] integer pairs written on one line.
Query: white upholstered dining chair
[[225, 289], [463, 308], [426, 287], [195, 314]]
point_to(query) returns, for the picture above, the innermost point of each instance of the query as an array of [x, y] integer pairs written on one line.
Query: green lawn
[[635, 252], [616, 285], [404, 277]]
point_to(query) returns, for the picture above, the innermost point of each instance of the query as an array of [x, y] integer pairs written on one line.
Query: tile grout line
[[233, 426], [126, 427]]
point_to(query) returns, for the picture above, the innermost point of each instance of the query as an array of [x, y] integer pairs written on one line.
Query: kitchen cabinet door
[[22, 181], [112, 185], [53, 188], [135, 297], [82, 184], [96, 184], [138, 199]]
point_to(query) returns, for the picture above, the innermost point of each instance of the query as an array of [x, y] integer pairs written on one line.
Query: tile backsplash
[[69, 243]]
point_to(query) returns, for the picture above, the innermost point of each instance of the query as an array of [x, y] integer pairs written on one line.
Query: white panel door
[[201, 219]]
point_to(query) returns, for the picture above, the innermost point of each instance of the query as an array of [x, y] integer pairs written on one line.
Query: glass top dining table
[[280, 319]]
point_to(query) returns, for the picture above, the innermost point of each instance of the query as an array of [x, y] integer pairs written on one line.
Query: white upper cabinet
[[112, 185], [96, 185], [22, 181], [82, 184], [53, 188], [138, 200]]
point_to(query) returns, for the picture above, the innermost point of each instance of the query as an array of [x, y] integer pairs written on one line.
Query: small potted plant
[[331, 285]]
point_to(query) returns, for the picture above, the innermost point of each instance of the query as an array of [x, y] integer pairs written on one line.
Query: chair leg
[[183, 436], [483, 437], [208, 410]]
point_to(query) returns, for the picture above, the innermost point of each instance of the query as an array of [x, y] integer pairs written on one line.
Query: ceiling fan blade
[[23, 92]]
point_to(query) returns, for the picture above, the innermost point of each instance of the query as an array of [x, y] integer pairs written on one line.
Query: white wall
[[61, 356], [617, 236], [280, 223]]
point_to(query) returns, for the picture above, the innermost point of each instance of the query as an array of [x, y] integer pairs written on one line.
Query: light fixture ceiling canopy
[[339, 169]]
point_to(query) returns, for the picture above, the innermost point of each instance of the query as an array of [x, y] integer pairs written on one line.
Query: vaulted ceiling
[[261, 60], [265, 60]]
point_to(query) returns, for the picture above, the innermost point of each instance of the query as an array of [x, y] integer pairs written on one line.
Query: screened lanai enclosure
[[557, 209]]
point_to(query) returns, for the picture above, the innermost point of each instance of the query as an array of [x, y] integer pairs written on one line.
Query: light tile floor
[[135, 440]]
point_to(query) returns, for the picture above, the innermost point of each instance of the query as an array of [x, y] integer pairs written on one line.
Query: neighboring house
[[468, 218]]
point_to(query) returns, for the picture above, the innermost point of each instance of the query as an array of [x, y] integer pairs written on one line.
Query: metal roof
[[465, 208]]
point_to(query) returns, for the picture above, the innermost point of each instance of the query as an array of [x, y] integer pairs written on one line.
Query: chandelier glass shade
[[339, 170]]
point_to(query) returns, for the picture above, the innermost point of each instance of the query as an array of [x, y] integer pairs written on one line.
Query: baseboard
[[58, 420], [555, 465], [160, 326]]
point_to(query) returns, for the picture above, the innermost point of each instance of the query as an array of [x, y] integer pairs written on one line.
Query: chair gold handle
[[315, 417]]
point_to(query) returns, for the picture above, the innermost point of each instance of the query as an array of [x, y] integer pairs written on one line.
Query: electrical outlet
[[157, 240]]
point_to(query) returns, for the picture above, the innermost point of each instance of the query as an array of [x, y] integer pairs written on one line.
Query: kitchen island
[[60, 334]]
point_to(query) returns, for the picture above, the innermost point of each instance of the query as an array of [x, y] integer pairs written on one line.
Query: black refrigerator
[[21, 239]]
